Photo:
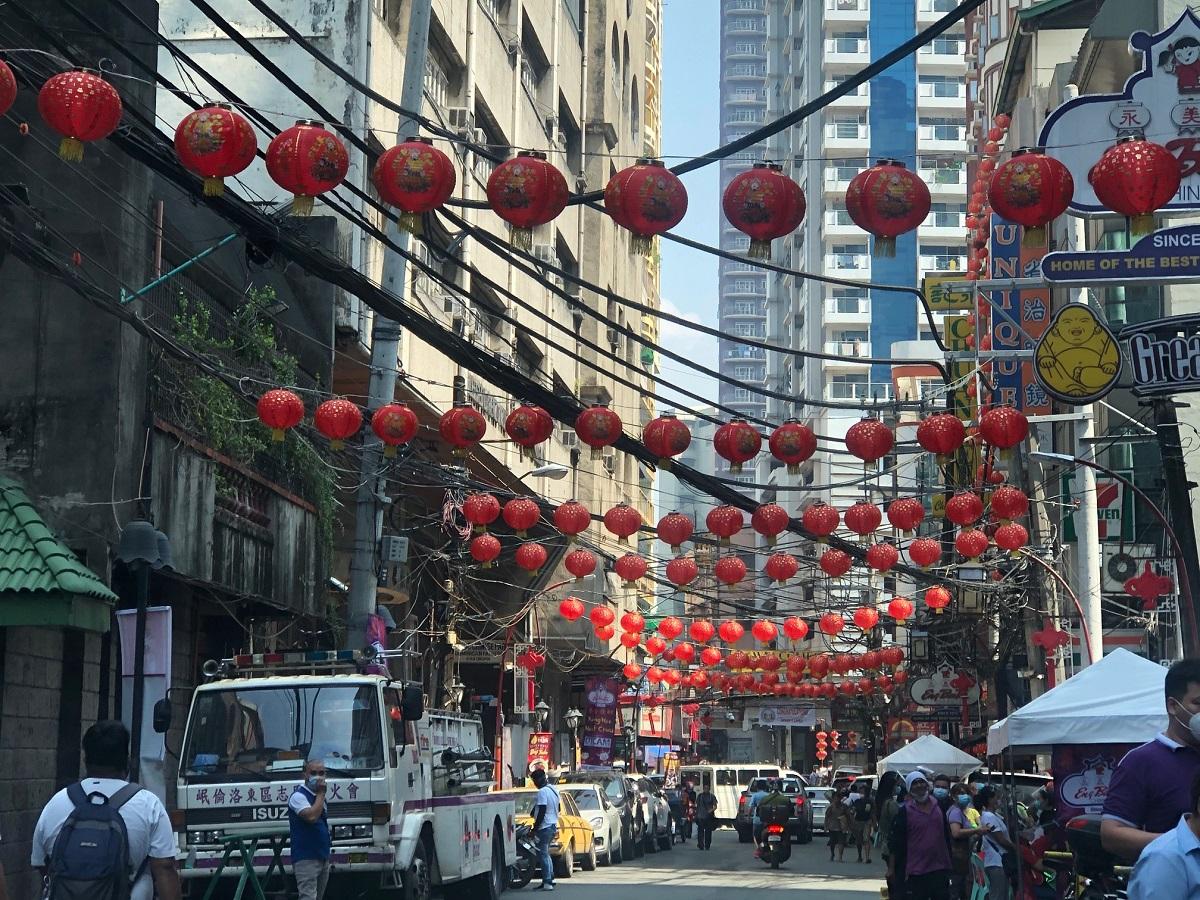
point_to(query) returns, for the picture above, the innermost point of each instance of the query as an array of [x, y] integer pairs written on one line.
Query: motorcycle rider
[[772, 799]]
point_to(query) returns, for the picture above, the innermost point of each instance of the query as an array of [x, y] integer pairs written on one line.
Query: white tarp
[[931, 753], [1118, 700]]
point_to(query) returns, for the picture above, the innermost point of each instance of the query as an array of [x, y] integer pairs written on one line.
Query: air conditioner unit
[[461, 119], [452, 305], [1120, 563]]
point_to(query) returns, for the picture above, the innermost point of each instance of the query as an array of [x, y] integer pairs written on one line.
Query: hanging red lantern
[[764, 631], [601, 616], [710, 656], [870, 440], [531, 557], [655, 645], [881, 557], [682, 571], [630, 568], [280, 410], [1009, 503], [1003, 120], [995, 134], [521, 514], [1031, 189], [8, 88], [671, 677], [1135, 177], [631, 671], [991, 148], [571, 609], [1003, 427], [647, 199], [416, 178], [685, 652], [572, 519], [528, 426], [598, 427], [792, 443], [835, 563], [971, 543], [764, 204], [1011, 537], [770, 520], [666, 437], [863, 518], [769, 662], [866, 617], [338, 420], [818, 666], [821, 520], [580, 563], [623, 520], [892, 656], [925, 552], [779, 567], [670, 628], [724, 522], [632, 622], [738, 659], [484, 549], [604, 633], [81, 107], [738, 442], [795, 628], [937, 598], [462, 428], [654, 674], [964, 508], [906, 513], [674, 528], [730, 631], [481, 510], [831, 624], [900, 608], [527, 191], [986, 166], [942, 434], [701, 631], [887, 200], [395, 424], [215, 143], [730, 569], [306, 160]]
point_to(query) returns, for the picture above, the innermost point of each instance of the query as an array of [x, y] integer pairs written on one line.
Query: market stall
[[931, 754]]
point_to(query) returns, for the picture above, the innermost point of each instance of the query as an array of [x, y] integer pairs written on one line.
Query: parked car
[[574, 838], [800, 823], [603, 816], [628, 802], [659, 830], [818, 801]]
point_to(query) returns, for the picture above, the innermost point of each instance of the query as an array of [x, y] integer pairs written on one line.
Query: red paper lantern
[[630, 567], [632, 622], [866, 617], [710, 656], [881, 557], [394, 424], [531, 557], [764, 204], [730, 631], [906, 513], [792, 443], [964, 508], [738, 659], [971, 543], [925, 552], [572, 518], [892, 656], [655, 645], [81, 107], [666, 437], [481, 510], [338, 420], [1011, 537], [1003, 427], [831, 624], [571, 609], [795, 628], [779, 567], [8, 88], [308, 161], [724, 522], [527, 191], [942, 434], [819, 665], [215, 143], [821, 520], [863, 518], [887, 200], [674, 528], [631, 671], [701, 631], [623, 520], [730, 569], [835, 563], [647, 199], [280, 410], [654, 675], [764, 631], [1009, 503], [580, 563], [484, 549], [937, 598], [528, 426], [598, 427], [770, 520], [415, 177], [1031, 189], [682, 571], [685, 652], [521, 514], [462, 428], [1135, 177], [870, 440], [1003, 120], [991, 148], [738, 442], [670, 628], [900, 608], [601, 616]]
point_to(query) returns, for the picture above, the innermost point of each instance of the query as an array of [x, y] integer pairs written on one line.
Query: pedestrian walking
[[919, 845], [308, 821], [996, 844], [887, 804], [106, 836], [835, 825], [545, 825], [963, 838], [858, 814], [1170, 864], [706, 817]]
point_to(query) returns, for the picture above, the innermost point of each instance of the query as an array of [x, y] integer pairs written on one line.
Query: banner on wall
[[1019, 319], [538, 756], [1082, 774], [599, 723]]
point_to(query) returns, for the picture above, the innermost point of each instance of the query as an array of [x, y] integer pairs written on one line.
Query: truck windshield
[[268, 732]]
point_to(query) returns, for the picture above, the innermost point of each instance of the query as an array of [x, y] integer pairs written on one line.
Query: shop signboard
[[1114, 508], [1164, 355], [539, 750], [1082, 774], [942, 298], [945, 686], [1019, 318], [599, 722], [787, 715]]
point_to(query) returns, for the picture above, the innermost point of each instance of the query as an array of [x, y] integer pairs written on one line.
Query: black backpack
[[90, 859], [862, 809]]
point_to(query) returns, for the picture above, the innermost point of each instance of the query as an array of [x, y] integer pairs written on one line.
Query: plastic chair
[[979, 880]]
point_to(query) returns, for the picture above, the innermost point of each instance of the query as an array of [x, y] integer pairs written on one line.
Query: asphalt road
[[686, 873]]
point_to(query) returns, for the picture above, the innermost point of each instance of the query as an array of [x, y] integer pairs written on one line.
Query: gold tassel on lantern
[[277, 434], [70, 149], [411, 222], [214, 187], [302, 205], [642, 244], [1139, 226], [521, 238], [885, 247], [759, 250], [1034, 237]]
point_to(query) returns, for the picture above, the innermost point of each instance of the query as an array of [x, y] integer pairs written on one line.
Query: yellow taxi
[[574, 840]]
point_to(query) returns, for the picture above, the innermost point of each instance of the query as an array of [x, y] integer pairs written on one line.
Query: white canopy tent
[[930, 753], [1118, 700]]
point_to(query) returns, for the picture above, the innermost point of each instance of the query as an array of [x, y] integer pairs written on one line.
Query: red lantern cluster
[[887, 200], [527, 191], [646, 199], [764, 204]]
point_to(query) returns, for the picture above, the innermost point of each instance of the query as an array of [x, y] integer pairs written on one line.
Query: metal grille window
[[437, 82], [848, 129]]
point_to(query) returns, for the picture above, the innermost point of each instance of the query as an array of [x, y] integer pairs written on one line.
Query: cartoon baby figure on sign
[[1077, 360], [1182, 59]]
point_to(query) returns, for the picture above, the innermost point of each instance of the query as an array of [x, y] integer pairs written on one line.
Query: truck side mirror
[[412, 703], [162, 716]]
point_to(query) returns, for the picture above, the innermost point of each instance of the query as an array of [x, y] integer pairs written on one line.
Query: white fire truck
[[407, 792]]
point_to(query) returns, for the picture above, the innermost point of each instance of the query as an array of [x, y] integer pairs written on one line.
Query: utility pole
[[385, 341], [1179, 502]]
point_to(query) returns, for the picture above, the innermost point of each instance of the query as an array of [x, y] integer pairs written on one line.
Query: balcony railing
[[848, 261], [847, 306], [850, 349], [941, 263], [854, 390], [848, 46]]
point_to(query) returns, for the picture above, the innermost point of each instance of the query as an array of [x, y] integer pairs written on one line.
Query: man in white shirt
[[545, 825], [147, 826], [995, 843]]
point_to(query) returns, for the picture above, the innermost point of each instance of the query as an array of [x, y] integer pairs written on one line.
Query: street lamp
[[573, 719], [554, 471], [541, 712]]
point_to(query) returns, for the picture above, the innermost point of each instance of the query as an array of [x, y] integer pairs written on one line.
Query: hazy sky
[[690, 105]]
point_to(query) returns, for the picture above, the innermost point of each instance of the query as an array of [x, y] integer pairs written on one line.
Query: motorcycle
[[776, 844], [529, 861], [1098, 874]]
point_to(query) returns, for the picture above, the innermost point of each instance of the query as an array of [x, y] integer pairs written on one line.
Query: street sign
[[1165, 355], [941, 297], [1161, 257], [1114, 508]]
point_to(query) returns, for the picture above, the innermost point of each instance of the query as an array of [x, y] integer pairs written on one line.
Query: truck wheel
[[486, 886], [418, 880]]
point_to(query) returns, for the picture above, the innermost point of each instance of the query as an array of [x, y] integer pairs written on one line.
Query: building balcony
[[848, 265], [933, 231], [929, 11], [856, 143], [854, 11], [855, 311], [841, 390], [745, 354], [956, 103], [839, 227], [737, 54], [744, 72], [944, 61], [945, 184], [847, 52], [745, 290], [942, 263], [734, 28], [860, 98], [933, 144], [848, 349], [743, 316]]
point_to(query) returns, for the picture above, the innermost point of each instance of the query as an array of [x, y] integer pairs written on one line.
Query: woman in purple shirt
[[919, 845]]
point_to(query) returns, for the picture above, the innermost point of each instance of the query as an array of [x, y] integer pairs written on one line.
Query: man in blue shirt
[[1169, 867], [310, 832], [545, 825]]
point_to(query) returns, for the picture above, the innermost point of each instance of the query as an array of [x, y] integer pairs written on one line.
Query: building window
[[746, 329], [941, 128], [949, 215], [944, 86], [747, 373], [848, 128], [746, 286], [847, 42]]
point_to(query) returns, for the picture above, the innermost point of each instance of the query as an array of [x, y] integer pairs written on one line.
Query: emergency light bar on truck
[[307, 659]]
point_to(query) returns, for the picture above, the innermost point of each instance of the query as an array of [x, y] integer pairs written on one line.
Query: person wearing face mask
[[1148, 793], [962, 838], [1169, 866], [941, 792], [887, 804], [919, 863], [309, 824], [996, 843]]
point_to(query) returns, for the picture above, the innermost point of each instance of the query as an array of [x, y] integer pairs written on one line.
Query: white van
[[728, 780]]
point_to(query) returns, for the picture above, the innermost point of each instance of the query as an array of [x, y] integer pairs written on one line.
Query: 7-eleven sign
[[1114, 508]]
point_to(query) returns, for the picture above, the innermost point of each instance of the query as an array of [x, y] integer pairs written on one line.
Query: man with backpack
[[862, 809], [104, 838]]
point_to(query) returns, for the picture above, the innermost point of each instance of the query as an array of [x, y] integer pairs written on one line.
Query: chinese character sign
[[1019, 318], [599, 723]]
